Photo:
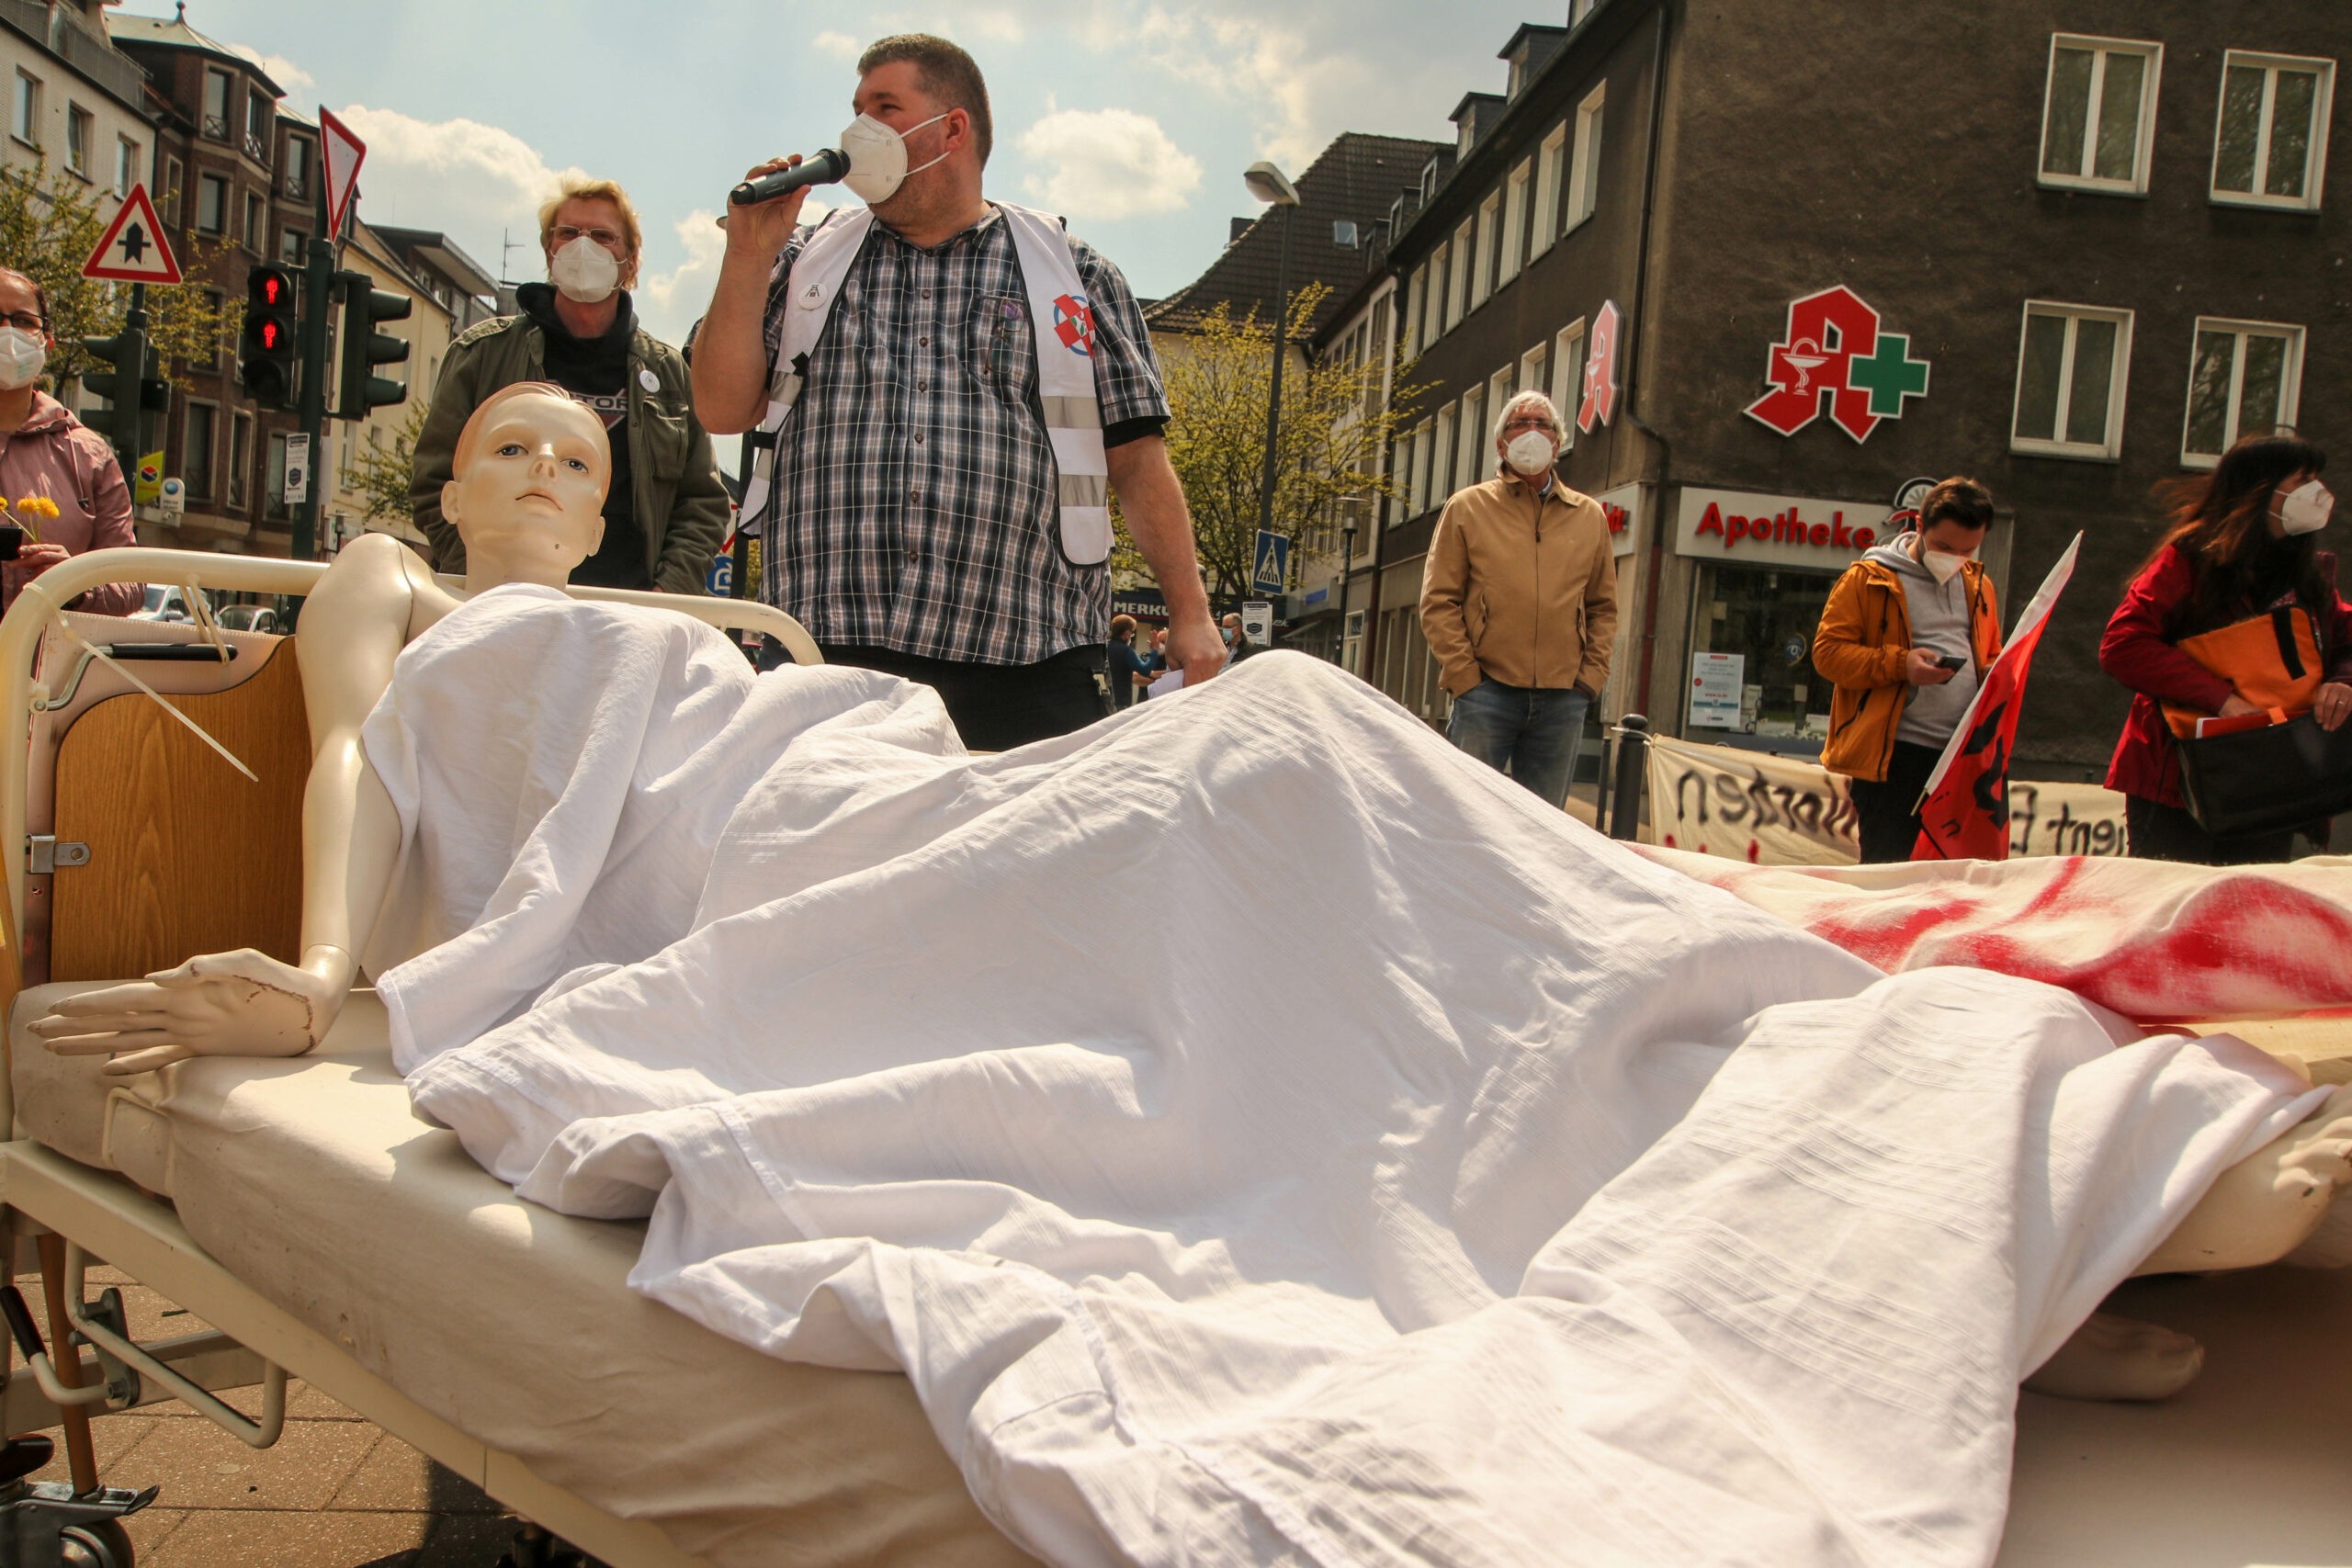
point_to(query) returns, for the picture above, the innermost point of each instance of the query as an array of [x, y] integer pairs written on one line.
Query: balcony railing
[[86, 53]]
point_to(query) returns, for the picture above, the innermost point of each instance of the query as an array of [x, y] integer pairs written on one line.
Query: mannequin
[[531, 471]]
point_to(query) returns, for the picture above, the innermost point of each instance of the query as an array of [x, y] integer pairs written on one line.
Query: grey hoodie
[[1938, 624]]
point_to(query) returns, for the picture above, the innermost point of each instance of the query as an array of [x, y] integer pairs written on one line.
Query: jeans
[[1531, 733], [1886, 812]]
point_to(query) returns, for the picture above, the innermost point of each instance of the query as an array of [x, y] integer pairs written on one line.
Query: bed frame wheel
[[103, 1543], [46, 1524]]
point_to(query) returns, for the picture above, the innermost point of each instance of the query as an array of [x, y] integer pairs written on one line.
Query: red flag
[[1964, 813]]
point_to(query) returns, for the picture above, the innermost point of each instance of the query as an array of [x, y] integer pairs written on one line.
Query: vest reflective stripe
[[1066, 393]]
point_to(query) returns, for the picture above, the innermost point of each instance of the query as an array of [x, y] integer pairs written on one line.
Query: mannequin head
[[529, 495]]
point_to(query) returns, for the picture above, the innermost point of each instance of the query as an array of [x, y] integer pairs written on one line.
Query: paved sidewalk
[[334, 1492]]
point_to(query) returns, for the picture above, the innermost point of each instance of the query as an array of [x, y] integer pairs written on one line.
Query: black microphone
[[823, 169]]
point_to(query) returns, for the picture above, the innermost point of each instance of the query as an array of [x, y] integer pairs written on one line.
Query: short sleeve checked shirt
[[914, 477]]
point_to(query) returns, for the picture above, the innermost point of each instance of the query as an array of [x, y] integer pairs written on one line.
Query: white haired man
[[1519, 602]]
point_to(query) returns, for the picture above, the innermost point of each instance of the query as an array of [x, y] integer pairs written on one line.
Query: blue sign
[[1271, 573], [722, 580]]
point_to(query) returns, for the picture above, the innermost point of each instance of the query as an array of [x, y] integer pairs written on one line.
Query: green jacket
[[681, 501]]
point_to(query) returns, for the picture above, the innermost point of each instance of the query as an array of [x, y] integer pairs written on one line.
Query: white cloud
[[1106, 163], [841, 46], [279, 69], [668, 302], [1298, 91]]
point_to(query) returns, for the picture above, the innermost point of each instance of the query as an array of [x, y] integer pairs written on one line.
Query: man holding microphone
[[951, 386]]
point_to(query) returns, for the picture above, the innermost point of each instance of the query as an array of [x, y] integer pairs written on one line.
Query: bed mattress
[[312, 1183]]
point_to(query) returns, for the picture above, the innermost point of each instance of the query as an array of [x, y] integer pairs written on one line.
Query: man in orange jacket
[[1519, 602], [1908, 632]]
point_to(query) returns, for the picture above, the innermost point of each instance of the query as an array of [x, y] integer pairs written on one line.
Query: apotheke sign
[[1775, 530]]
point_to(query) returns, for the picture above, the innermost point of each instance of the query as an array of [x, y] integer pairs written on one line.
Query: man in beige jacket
[[1519, 602]]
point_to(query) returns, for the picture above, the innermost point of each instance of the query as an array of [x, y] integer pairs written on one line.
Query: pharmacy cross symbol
[[1836, 353]]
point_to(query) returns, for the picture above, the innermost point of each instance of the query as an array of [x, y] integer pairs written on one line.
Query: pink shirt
[[53, 454]]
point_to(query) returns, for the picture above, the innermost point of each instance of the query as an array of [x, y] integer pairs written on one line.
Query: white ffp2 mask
[[2306, 509], [22, 355], [585, 270], [878, 158], [1529, 453], [1942, 564]]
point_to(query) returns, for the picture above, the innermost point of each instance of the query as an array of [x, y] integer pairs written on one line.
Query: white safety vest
[[1061, 326]]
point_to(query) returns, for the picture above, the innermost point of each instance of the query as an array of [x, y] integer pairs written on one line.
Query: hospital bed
[[325, 1235]]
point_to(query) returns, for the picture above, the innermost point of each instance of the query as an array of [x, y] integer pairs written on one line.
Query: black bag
[[2261, 781]]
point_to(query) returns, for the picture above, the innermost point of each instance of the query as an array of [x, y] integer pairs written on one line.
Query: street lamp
[[1268, 185]]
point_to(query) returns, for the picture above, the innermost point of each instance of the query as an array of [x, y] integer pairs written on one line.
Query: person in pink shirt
[[45, 451]]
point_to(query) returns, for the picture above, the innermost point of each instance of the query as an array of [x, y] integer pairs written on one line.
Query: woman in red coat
[[2242, 552]]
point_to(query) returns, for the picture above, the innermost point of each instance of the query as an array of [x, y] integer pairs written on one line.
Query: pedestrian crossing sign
[[1270, 574]]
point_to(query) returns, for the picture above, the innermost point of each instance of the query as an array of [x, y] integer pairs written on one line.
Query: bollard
[[1632, 734]]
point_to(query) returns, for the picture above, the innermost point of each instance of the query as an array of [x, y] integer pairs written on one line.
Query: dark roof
[[1355, 179], [129, 31], [438, 251]]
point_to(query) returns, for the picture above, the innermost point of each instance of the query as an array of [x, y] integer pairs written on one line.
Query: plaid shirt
[[915, 480]]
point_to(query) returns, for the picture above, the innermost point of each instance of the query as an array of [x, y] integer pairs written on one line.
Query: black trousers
[[2153, 831], [997, 706], [1887, 814]]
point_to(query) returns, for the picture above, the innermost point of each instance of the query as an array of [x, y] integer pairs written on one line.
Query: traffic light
[[155, 393], [364, 347], [266, 357]]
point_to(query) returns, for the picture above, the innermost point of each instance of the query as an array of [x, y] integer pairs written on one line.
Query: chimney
[[1239, 225]]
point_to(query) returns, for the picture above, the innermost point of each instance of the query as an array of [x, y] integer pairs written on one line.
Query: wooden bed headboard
[[187, 855]]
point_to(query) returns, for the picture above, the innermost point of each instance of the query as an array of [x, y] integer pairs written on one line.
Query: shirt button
[[917, 440], [913, 554], [922, 386], [914, 495], [926, 293], [922, 341]]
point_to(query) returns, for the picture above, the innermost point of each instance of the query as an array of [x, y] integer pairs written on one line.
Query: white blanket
[[1262, 1134]]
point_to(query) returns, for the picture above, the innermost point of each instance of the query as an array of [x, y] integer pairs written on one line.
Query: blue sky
[[1133, 120]]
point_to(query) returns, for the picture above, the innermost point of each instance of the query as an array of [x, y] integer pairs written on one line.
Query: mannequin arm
[[247, 1003]]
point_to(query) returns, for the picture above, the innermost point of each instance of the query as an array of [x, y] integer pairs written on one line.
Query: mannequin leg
[[2111, 1357]]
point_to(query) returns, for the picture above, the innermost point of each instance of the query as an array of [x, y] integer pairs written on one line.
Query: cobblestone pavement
[[334, 1492]]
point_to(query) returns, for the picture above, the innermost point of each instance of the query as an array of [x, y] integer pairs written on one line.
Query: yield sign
[[341, 152], [133, 249]]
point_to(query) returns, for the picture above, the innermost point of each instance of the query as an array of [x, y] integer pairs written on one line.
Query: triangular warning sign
[[133, 249], [341, 152]]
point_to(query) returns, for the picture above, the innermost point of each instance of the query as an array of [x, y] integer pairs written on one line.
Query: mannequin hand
[[2333, 706], [762, 231], [2235, 705], [1920, 668], [222, 1004]]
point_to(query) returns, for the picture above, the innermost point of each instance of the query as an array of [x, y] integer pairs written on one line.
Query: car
[[168, 602], [248, 619]]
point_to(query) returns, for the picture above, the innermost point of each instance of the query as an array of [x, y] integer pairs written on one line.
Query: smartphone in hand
[[1951, 661]]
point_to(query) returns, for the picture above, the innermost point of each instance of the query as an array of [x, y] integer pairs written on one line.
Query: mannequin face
[[528, 500]]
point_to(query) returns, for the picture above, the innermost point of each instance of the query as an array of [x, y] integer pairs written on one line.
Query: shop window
[[2270, 143], [1549, 161], [1567, 376], [2242, 375], [1514, 225], [1584, 167], [1764, 618], [2098, 114], [1482, 279], [2069, 381]]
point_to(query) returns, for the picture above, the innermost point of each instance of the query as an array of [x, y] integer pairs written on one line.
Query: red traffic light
[[271, 331], [269, 286], [272, 289]]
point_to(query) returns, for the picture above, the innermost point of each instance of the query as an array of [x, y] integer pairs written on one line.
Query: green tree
[[1334, 425], [50, 225], [381, 473]]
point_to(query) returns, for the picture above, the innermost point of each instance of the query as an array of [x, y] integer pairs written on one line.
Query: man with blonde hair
[[1519, 601], [666, 511]]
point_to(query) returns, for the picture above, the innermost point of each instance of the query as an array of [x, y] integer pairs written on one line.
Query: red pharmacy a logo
[[1836, 352]]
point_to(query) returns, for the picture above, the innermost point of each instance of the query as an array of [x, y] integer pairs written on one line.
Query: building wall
[[432, 324], [1896, 150], [73, 71]]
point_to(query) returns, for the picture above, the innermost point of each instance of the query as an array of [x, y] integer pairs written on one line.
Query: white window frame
[[2316, 171], [1515, 189], [23, 112], [1584, 166], [1416, 299], [81, 129], [2143, 144], [1442, 457], [1441, 267], [1470, 438], [255, 237], [2120, 375], [1550, 160], [1465, 262], [1532, 365], [2291, 387], [1490, 222], [225, 85], [1567, 377], [126, 165], [1498, 391]]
